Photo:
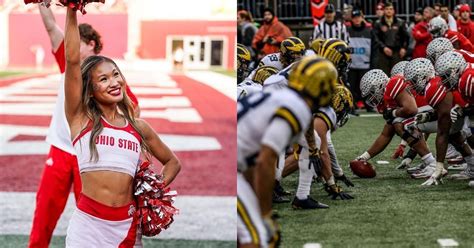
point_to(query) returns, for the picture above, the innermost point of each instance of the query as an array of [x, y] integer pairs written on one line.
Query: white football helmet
[[419, 72], [437, 47], [449, 67], [398, 68], [372, 86], [437, 27]]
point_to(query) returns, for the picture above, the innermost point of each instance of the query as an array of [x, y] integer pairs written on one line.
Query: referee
[[329, 27]]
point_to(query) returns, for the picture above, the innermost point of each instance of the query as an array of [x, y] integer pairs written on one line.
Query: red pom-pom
[[77, 4], [155, 202]]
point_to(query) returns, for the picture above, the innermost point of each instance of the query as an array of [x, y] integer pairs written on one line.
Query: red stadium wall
[[154, 33], [26, 30]]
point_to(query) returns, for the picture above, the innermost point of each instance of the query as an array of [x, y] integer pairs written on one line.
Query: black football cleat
[[276, 198], [308, 203], [280, 190]]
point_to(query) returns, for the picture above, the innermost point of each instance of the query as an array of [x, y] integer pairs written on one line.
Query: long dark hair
[[92, 110]]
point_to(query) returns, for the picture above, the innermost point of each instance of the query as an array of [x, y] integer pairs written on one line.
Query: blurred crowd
[[375, 44]]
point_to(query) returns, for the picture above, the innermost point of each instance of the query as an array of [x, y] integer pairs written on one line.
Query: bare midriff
[[113, 189]]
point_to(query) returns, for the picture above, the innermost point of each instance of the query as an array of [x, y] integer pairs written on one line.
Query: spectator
[[421, 35], [391, 38], [247, 30], [270, 35], [437, 8], [329, 27], [360, 39], [418, 19], [448, 17], [456, 13], [465, 25], [347, 13], [379, 10]]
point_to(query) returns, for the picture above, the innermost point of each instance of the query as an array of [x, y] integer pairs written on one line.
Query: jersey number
[[251, 102], [273, 58]]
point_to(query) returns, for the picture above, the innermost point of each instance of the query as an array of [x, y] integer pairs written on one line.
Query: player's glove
[[364, 157], [389, 115], [456, 112], [335, 191], [315, 161], [404, 164], [273, 229], [399, 151], [345, 180], [435, 179]]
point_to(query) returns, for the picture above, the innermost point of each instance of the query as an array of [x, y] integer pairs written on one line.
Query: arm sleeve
[[60, 57], [278, 135]]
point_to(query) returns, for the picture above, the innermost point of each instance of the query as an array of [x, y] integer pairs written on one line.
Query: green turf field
[[230, 73], [14, 241], [4, 74], [390, 210]]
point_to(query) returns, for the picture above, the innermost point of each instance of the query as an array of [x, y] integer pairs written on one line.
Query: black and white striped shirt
[[331, 30]]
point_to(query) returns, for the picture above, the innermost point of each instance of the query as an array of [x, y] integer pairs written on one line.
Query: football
[[362, 169]]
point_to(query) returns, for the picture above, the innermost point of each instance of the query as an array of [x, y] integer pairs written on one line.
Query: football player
[[466, 88], [443, 96], [326, 120], [291, 50], [439, 46], [397, 70], [243, 62], [338, 52], [249, 86], [392, 98], [439, 28], [314, 47], [267, 123]]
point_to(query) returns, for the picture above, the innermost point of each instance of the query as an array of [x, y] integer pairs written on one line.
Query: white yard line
[[200, 218]]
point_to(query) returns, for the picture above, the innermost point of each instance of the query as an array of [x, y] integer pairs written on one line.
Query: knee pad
[[411, 137]]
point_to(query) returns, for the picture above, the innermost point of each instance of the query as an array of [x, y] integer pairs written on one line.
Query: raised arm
[[171, 164], [55, 33], [73, 79]]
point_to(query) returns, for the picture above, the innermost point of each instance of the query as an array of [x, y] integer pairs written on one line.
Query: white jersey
[[279, 80], [59, 134], [329, 117], [272, 59], [273, 119], [309, 52], [247, 87]]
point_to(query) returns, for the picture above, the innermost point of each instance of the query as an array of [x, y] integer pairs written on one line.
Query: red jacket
[[467, 29], [422, 39], [459, 40], [276, 30]]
